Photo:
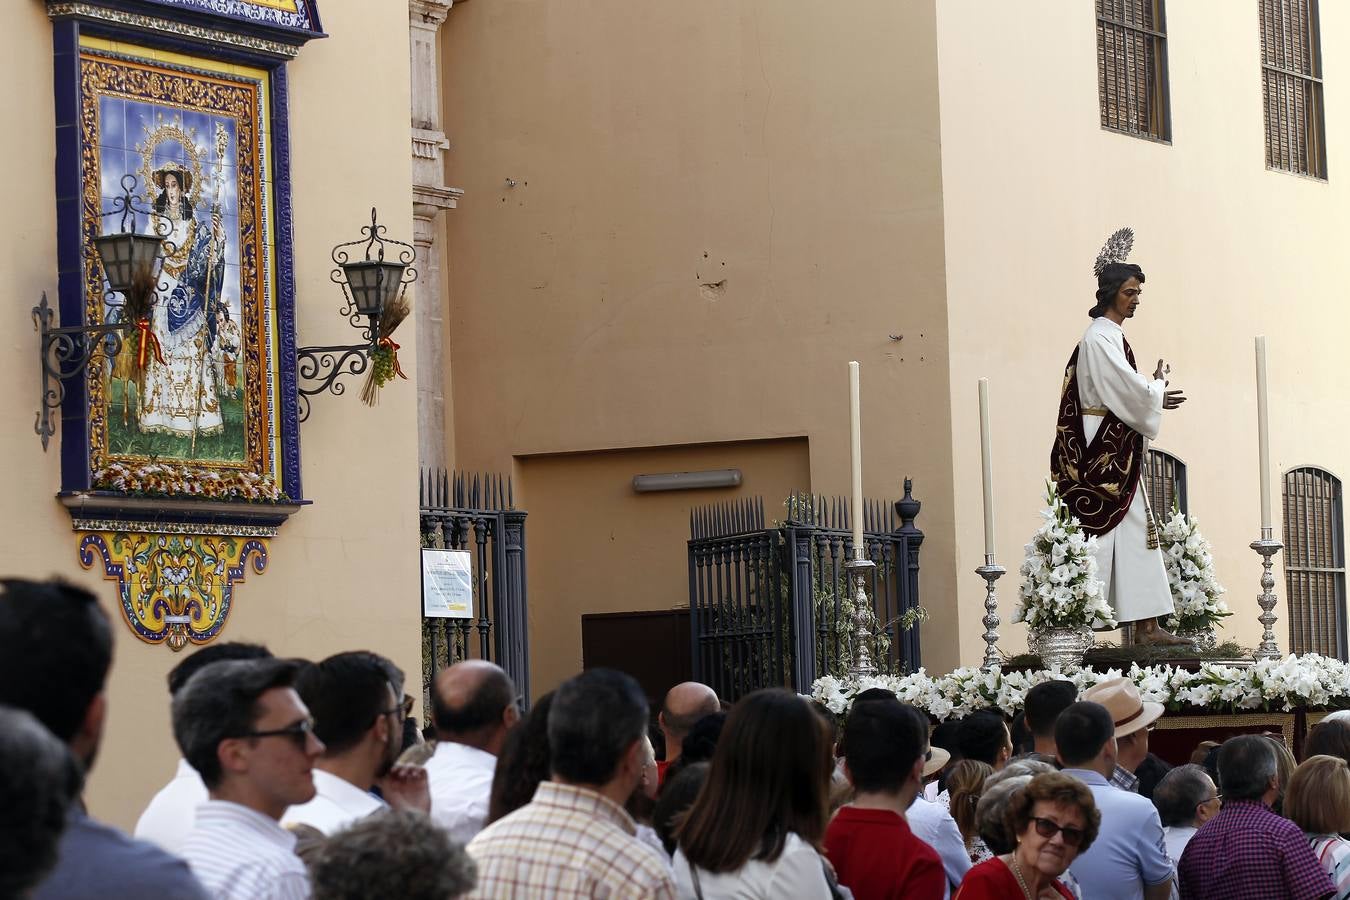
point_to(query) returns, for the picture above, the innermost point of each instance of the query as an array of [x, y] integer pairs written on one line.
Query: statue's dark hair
[[1109, 282]]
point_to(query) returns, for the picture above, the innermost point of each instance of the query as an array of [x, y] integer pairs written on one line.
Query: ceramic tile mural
[[187, 407]]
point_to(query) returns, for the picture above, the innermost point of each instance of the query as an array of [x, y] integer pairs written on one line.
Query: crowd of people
[[303, 779]]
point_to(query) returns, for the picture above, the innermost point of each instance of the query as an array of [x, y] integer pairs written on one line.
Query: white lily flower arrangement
[[1196, 593], [1060, 588], [1312, 681]]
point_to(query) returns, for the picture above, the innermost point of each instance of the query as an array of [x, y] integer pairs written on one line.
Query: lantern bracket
[[67, 351], [372, 271]]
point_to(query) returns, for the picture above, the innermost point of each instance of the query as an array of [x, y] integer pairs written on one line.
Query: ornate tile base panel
[[173, 589]]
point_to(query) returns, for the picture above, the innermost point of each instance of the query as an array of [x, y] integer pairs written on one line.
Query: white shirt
[[460, 779], [337, 803], [1176, 837], [171, 813], [1105, 379], [934, 825], [797, 873], [240, 854]]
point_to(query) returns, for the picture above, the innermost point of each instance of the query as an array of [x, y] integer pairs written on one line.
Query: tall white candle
[[1263, 430], [987, 469], [855, 432]]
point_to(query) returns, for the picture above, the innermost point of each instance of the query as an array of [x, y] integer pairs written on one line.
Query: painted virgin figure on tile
[[1107, 413], [181, 396]]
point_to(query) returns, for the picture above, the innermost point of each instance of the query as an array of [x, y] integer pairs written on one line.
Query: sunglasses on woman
[[1048, 829]]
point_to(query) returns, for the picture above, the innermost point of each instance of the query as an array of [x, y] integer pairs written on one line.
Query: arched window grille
[[1314, 561], [1165, 478]]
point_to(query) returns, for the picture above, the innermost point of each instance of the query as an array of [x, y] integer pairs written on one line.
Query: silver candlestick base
[[1267, 546], [858, 569], [991, 572]]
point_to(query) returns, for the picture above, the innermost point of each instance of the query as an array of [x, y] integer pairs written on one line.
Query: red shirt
[[661, 766], [879, 858], [993, 880]]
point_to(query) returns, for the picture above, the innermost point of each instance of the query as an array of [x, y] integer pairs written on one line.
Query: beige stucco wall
[[343, 573], [717, 205], [1031, 188], [611, 549]]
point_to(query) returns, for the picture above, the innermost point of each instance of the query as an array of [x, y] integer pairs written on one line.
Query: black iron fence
[[769, 604], [477, 513]]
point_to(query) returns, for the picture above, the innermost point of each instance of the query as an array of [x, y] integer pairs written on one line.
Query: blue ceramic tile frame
[[75, 474], [238, 16]]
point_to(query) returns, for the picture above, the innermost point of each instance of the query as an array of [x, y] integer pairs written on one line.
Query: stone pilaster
[[430, 196]]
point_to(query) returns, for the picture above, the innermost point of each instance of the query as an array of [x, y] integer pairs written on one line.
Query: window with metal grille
[[1291, 82], [1132, 67], [1165, 478], [1314, 562]]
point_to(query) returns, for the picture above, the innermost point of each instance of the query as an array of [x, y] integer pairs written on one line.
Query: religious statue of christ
[[1106, 412]]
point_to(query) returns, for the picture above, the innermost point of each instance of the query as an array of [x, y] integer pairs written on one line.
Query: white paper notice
[[447, 584]]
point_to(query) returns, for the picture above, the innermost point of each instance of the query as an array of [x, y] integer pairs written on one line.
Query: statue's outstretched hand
[[1173, 399]]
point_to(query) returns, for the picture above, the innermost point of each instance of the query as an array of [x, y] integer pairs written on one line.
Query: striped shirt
[[1333, 852], [241, 854], [568, 841]]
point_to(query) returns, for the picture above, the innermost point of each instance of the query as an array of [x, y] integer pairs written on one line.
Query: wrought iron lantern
[[373, 279], [129, 261]]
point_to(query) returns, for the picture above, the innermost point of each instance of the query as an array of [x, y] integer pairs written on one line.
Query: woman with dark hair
[[755, 827], [523, 763], [1054, 818], [1330, 737]]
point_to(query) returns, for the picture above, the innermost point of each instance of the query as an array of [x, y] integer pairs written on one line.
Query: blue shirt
[[101, 863], [1129, 852]]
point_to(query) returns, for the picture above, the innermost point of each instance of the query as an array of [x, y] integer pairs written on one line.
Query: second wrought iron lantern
[[374, 281]]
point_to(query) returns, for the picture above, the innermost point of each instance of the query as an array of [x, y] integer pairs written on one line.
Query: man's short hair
[[982, 735], [55, 650], [1180, 792], [1081, 731], [346, 693], [1043, 704], [220, 702], [395, 853], [1246, 765], [596, 716], [490, 698], [39, 779], [882, 741], [216, 652]]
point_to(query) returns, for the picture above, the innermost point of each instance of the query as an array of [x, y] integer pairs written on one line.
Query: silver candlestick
[[1267, 547], [858, 568], [990, 572]]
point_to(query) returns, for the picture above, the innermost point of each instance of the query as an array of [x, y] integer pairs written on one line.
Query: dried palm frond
[[384, 365]]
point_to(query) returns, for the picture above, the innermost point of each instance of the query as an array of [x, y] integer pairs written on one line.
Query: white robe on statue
[[1134, 575]]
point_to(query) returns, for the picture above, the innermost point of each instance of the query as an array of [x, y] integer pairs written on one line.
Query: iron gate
[[477, 513]]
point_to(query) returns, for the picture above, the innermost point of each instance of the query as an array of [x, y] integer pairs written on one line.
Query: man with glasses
[[168, 818], [1128, 860], [474, 704], [246, 731], [356, 701], [1186, 798]]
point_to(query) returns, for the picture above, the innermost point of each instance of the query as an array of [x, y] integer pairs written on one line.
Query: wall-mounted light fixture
[[129, 262], [371, 285], [687, 481]]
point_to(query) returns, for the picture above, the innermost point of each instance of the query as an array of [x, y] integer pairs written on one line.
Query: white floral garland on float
[[1310, 680], [1196, 592]]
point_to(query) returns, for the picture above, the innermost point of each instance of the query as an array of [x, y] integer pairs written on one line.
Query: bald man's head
[[473, 702], [685, 704]]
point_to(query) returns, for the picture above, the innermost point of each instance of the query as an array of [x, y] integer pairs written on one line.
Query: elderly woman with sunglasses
[[1054, 818]]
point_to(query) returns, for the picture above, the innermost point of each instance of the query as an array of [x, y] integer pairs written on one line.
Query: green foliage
[[227, 445]]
